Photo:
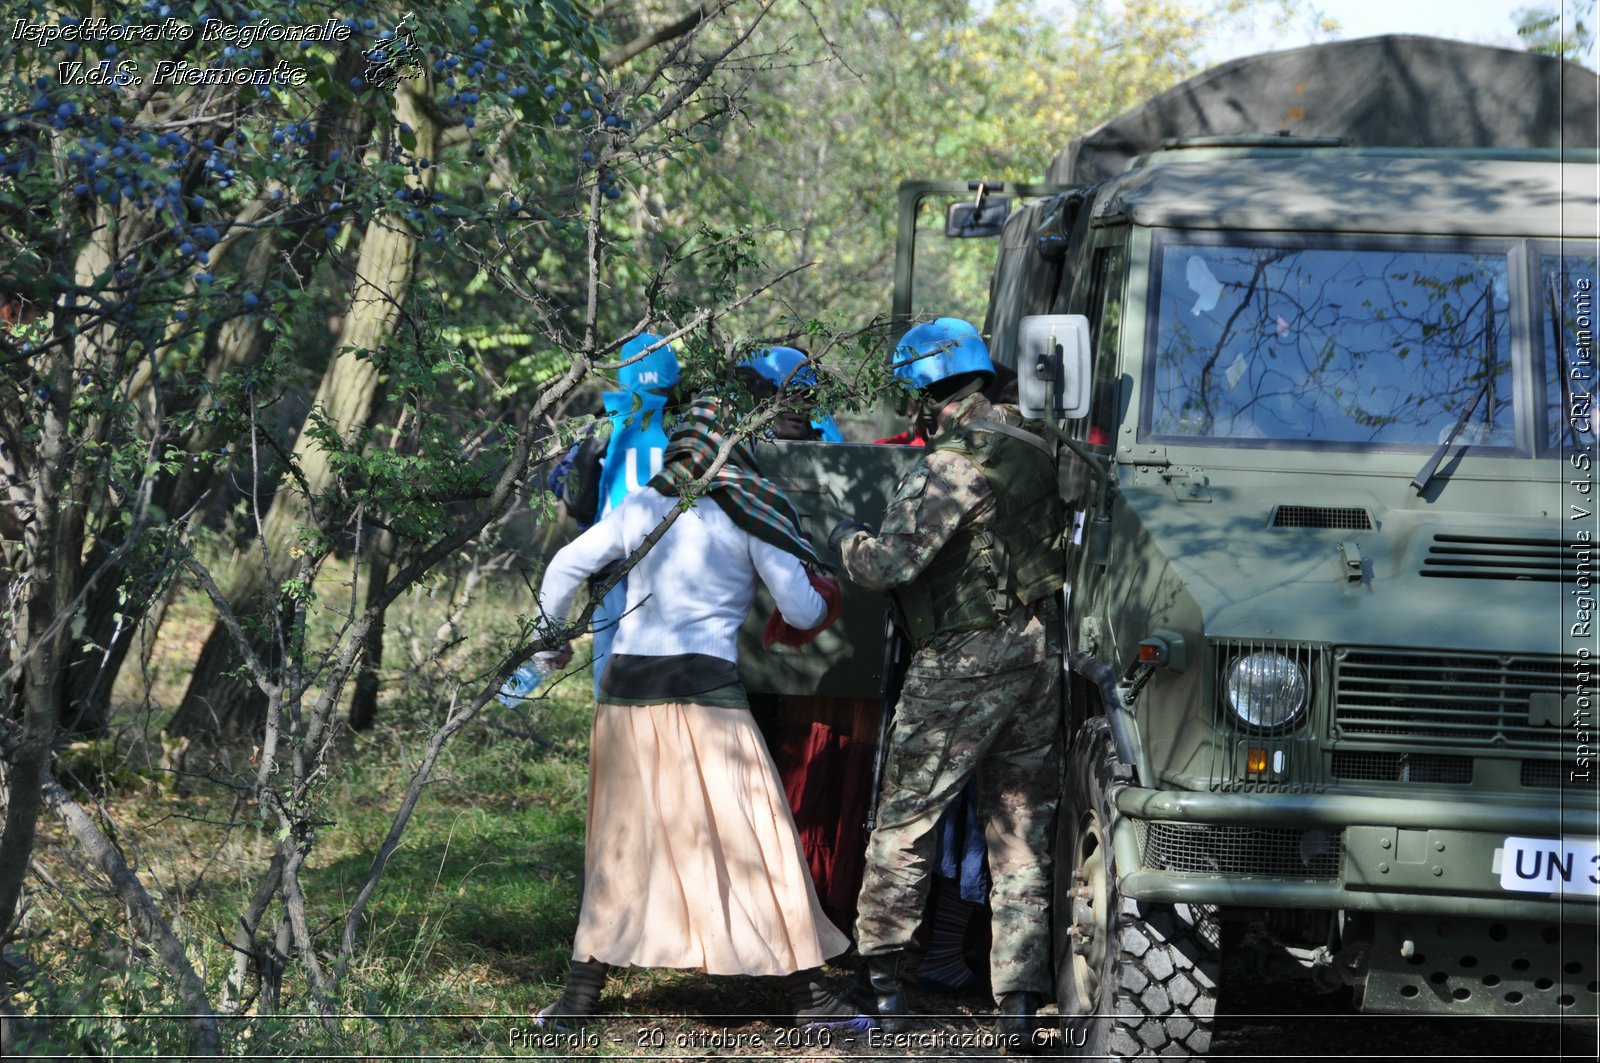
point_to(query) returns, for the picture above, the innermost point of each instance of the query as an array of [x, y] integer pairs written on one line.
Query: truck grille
[[1557, 775], [1464, 700], [1206, 849]]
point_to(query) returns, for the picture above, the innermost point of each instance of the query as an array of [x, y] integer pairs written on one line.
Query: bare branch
[[258, 670], [204, 1038], [243, 939], [684, 24]]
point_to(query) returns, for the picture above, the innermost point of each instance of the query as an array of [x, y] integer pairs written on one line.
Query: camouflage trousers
[[1006, 729]]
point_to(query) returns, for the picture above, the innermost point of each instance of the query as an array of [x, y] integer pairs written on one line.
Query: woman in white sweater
[[692, 859]]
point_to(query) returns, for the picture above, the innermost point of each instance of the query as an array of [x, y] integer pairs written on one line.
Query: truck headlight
[[1267, 689]]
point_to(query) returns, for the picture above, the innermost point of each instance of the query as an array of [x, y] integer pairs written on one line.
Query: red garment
[[827, 777], [779, 630], [812, 752], [909, 438]]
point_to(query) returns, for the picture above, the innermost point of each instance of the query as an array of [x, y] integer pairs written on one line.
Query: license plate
[[1568, 866]]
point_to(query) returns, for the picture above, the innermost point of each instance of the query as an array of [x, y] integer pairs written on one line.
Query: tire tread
[[1158, 996]]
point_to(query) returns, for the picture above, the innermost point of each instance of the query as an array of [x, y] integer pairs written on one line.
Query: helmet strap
[[936, 411], [971, 387]]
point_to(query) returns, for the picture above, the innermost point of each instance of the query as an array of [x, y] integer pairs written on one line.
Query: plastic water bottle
[[523, 682]]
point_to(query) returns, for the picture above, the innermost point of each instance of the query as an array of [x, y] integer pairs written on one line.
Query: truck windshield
[[1386, 347]]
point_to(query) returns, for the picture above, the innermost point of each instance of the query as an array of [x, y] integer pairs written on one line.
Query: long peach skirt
[[692, 859]]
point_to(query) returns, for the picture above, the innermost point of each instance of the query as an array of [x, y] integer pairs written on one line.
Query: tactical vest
[[981, 575]]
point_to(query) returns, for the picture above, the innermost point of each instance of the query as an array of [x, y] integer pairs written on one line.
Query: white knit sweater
[[691, 591]]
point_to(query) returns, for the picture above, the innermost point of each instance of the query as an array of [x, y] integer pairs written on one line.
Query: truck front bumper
[[1345, 852], [1464, 917]]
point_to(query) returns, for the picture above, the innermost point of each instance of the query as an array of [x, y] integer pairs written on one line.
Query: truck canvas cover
[[1393, 91]]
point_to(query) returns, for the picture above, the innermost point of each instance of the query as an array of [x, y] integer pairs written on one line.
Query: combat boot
[[1016, 1023], [883, 973], [813, 1004]]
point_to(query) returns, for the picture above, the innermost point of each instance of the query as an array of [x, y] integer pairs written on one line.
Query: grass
[[484, 886], [474, 914], [475, 910]]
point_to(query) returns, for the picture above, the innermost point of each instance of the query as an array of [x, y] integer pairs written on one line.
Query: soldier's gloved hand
[[843, 530]]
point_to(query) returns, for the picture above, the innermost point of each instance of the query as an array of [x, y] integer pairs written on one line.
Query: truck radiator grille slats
[[1211, 849], [1463, 700], [1486, 707], [1493, 557], [1346, 517], [1367, 766]]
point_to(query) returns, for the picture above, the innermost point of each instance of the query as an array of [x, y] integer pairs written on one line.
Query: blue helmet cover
[[788, 367], [940, 349], [783, 366], [827, 428], [656, 371]]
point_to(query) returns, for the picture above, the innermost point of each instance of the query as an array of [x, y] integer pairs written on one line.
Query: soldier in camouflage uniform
[[970, 546]]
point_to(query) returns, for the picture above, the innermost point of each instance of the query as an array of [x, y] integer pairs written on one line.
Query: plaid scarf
[[754, 505]]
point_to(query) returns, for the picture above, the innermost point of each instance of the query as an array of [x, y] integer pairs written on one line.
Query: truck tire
[[1132, 979]]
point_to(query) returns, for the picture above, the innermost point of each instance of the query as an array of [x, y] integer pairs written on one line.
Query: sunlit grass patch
[[473, 915]]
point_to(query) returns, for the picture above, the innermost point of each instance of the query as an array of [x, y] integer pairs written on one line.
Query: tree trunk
[[118, 604], [111, 616], [51, 578], [364, 704], [53, 533], [383, 274]]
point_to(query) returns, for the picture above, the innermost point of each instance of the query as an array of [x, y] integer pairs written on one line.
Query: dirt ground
[[646, 1017]]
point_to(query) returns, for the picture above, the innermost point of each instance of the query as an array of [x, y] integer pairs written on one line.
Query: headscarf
[[755, 505]]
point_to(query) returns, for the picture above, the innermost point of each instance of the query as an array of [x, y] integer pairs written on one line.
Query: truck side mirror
[[983, 217], [1053, 360]]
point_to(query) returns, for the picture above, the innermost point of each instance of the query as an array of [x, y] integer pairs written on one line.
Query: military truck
[[1314, 331]]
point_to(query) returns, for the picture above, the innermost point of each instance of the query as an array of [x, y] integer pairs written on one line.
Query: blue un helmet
[[785, 367], [943, 357], [656, 371]]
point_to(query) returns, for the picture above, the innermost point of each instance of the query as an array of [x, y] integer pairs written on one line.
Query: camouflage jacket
[[943, 492]]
